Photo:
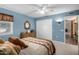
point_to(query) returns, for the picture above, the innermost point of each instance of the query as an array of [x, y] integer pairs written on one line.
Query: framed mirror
[[27, 25]]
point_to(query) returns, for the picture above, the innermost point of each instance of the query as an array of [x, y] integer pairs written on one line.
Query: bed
[[35, 47], [38, 46]]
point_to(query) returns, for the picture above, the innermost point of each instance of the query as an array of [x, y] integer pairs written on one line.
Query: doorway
[[71, 30]]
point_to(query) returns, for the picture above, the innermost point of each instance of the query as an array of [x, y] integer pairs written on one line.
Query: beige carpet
[[65, 49]]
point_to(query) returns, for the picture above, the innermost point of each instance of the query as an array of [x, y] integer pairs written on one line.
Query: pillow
[[1, 41], [17, 41]]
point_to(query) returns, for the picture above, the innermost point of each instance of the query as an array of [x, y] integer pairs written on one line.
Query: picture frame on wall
[[27, 25]]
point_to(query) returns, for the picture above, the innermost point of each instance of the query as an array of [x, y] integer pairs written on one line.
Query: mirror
[[27, 25]]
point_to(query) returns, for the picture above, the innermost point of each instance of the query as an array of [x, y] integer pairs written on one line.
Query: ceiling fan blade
[[51, 10], [36, 5], [41, 8], [33, 11]]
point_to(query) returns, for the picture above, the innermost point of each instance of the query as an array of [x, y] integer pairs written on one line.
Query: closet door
[[44, 29]]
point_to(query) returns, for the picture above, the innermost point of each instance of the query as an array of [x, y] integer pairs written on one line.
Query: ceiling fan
[[43, 8]]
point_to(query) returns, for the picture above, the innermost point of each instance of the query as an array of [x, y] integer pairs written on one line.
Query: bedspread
[[7, 49], [46, 45]]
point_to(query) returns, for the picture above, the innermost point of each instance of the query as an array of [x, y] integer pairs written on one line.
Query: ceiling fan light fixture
[[42, 11]]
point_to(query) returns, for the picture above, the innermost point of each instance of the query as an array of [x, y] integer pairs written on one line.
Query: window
[[6, 28]]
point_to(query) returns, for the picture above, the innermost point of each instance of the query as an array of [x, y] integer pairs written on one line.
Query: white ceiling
[[31, 9]]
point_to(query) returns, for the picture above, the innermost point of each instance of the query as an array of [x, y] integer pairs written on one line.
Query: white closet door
[[44, 29]]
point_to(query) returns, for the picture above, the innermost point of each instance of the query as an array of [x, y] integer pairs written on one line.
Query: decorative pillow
[[1, 41], [16, 41]]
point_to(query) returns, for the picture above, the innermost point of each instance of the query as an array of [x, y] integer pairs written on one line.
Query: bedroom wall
[[18, 24], [58, 29]]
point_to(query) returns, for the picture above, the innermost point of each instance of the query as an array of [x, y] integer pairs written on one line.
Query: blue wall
[[58, 29], [18, 24]]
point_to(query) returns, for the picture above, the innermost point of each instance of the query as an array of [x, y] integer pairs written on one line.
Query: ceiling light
[[42, 11]]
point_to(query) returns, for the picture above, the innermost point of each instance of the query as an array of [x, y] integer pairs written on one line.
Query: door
[[44, 29], [71, 30]]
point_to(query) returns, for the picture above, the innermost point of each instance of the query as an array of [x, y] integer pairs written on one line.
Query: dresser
[[26, 34]]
